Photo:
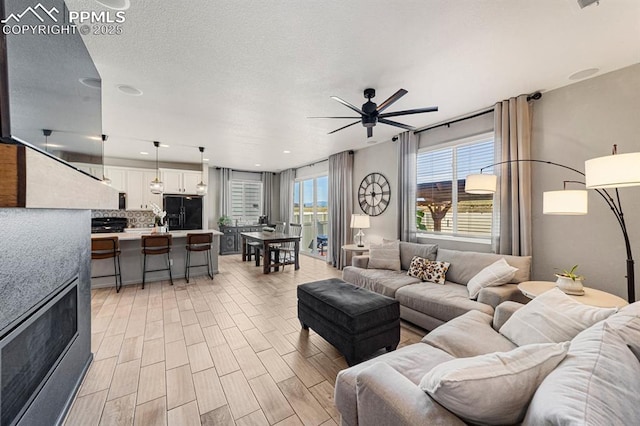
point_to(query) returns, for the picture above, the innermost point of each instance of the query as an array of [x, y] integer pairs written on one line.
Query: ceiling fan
[[371, 114]]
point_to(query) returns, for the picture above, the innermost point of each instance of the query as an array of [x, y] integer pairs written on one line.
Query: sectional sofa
[[430, 305], [589, 373]]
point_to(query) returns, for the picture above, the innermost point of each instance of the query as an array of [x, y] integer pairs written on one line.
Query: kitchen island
[[131, 258]]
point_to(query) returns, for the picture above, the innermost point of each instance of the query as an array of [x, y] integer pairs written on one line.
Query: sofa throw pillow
[[496, 274], [596, 384], [494, 388], [436, 271], [385, 256], [551, 317], [418, 267]]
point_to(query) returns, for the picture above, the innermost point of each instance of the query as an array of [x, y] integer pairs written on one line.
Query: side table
[[591, 296], [352, 249]]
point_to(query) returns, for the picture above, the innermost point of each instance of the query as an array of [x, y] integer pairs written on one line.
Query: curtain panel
[[340, 205], [407, 181], [225, 191], [287, 178], [267, 194], [513, 200]]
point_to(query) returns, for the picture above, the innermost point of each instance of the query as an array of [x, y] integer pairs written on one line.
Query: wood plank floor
[[212, 352]]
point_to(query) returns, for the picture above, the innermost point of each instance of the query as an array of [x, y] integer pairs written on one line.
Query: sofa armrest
[[503, 313], [493, 296], [361, 261], [386, 397]]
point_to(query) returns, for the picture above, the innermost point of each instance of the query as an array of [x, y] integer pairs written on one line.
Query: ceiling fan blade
[[409, 111], [386, 104], [369, 132], [352, 118], [395, 123], [348, 105], [344, 127]]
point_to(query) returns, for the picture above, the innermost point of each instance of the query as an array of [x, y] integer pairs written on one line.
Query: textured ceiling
[[240, 77]]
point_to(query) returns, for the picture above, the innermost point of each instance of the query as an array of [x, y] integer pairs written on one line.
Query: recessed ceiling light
[[129, 90], [144, 153], [257, 165], [286, 152], [94, 138], [115, 4], [162, 145], [583, 74], [54, 145], [371, 142], [94, 83], [205, 159]]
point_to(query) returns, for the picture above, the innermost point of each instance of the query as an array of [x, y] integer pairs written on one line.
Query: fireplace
[[45, 313], [32, 349]]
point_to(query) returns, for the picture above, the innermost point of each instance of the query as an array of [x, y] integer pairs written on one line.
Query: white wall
[[379, 158], [570, 125]]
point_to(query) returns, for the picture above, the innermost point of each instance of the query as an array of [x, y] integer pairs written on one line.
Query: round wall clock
[[374, 194]]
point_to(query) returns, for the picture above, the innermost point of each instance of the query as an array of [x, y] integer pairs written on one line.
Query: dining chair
[[288, 249]]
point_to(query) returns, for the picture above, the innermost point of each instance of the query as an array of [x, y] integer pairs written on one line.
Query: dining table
[[270, 241]]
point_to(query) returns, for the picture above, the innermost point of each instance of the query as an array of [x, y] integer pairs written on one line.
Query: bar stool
[[198, 242], [107, 248], [154, 245]]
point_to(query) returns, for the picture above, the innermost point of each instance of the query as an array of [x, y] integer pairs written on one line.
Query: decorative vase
[[569, 286]]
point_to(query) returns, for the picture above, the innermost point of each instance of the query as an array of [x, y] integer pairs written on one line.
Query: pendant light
[[201, 188], [46, 133], [156, 186], [105, 179]]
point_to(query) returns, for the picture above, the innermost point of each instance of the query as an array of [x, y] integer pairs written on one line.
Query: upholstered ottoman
[[355, 320]]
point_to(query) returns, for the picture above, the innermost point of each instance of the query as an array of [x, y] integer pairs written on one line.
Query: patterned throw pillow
[[436, 272], [418, 267]]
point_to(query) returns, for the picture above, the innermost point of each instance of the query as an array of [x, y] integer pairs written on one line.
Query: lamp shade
[[566, 202], [360, 221], [613, 171], [481, 184]]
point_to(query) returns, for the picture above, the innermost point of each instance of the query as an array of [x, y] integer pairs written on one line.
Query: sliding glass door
[[310, 208]]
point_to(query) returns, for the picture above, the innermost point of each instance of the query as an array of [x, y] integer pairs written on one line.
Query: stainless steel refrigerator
[[183, 211]]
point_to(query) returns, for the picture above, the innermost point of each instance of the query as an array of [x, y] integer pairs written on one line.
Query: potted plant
[[224, 220], [570, 282]]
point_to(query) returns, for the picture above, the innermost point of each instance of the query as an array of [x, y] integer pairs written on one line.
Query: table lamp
[[360, 221]]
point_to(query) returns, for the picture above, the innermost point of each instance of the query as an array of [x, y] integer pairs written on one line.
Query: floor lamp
[[602, 173]]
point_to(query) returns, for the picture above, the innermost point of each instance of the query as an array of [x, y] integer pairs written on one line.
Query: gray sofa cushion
[[493, 296], [466, 264], [444, 302], [381, 281], [412, 361], [469, 335], [408, 250]]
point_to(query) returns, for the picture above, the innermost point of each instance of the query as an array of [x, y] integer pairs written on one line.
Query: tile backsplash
[[137, 219]]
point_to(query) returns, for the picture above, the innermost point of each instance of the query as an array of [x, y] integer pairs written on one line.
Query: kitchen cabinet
[[180, 181], [118, 176], [139, 196], [231, 240]]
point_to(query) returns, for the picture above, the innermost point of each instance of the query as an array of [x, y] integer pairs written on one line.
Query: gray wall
[[571, 125]]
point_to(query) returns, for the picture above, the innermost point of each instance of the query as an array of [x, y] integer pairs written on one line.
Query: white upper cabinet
[[179, 181], [118, 176]]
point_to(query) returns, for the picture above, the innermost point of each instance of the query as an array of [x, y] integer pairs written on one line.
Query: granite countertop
[[137, 233]]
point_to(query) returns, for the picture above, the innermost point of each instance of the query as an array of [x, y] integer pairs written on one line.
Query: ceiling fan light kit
[[372, 114]]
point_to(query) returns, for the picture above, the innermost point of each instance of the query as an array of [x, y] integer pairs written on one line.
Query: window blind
[[246, 200]]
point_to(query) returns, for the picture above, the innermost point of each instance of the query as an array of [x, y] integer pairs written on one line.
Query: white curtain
[[225, 192], [513, 202], [340, 205], [267, 191], [287, 178], [407, 181]]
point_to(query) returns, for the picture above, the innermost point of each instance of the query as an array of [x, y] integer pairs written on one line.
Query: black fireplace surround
[[45, 313]]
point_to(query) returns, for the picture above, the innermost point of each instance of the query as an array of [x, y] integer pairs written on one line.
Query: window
[[246, 200], [443, 207], [310, 208]]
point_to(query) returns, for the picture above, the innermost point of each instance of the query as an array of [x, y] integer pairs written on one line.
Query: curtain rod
[[319, 161], [534, 96]]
